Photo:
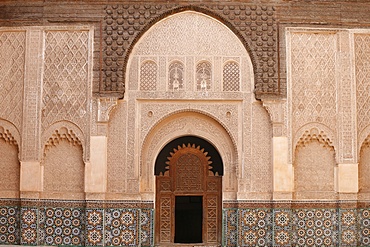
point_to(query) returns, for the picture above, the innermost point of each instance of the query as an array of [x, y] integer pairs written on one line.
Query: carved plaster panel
[[362, 72], [224, 112], [187, 34], [12, 67], [117, 149], [66, 84], [313, 79]]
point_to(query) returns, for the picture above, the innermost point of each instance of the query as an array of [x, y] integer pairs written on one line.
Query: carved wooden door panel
[[188, 173]]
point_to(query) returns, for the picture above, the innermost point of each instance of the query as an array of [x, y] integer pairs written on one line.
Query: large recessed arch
[[187, 123], [180, 10]]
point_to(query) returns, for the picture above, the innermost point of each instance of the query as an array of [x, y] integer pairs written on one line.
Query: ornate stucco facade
[[102, 101]]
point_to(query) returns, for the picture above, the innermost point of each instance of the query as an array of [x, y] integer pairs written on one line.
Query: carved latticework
[[231, 77], [188, 172], [148, 76]]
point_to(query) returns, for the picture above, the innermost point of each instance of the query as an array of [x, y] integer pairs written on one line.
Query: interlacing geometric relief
[[362, 56], [313, 84], [65, 85], [12, 60]]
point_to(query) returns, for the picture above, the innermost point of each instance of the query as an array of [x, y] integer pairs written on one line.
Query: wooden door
[[188, 173]]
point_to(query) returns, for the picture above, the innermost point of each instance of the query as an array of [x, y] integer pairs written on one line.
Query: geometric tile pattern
[[61, 226], [296, 227], [29, 226], [133, 225], [315, 227], [255, 227], [121, 227], [230, 227], [9, 225], [146, 227], [94, 227], [363, 223]]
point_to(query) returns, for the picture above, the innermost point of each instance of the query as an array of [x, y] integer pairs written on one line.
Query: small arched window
[[176, 76], [148, 76], [204, 76], [231, 77]]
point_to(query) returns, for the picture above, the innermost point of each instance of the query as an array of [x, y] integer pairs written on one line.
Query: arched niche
[[314, 166], [188, 123]]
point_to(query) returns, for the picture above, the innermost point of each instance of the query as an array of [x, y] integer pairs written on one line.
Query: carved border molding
[[123, 25]]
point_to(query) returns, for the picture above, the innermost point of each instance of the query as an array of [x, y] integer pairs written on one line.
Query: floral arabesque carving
[[254, 25]]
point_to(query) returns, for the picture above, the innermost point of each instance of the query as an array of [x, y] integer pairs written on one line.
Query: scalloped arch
[[9, 132], [310, 133], [63, 130]]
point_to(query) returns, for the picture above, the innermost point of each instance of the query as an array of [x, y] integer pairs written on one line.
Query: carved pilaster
[[32, 95]]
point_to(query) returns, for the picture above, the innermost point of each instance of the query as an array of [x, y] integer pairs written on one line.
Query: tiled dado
[[77, 223], [295, 224], [132, 223]]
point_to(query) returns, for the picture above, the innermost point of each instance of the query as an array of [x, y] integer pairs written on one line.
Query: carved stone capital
[[276, 109], [105, 106]]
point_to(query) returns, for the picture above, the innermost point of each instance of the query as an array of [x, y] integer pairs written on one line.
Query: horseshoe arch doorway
[[188, 193]]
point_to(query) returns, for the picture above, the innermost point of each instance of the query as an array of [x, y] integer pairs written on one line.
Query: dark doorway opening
[[188, 219]]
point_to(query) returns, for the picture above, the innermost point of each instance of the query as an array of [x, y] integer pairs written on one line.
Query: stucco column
[[96, 168], [283, 175]]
